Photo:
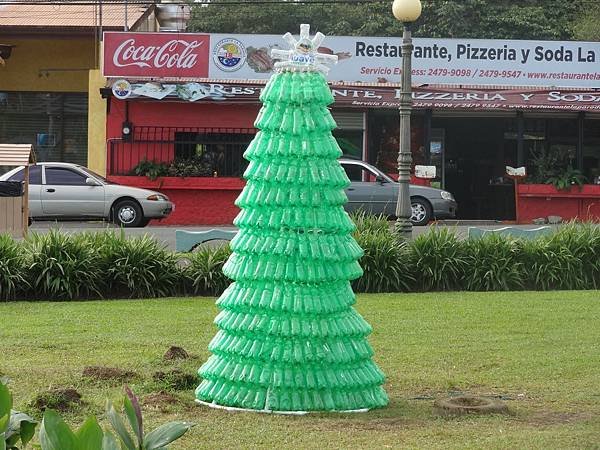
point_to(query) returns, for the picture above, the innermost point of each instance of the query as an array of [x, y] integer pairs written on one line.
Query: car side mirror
[[91, 182], [379, 179]]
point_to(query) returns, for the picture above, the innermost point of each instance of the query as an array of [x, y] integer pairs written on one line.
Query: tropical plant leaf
[[89, 436], [119, 427], [165, 434], [5, 408], [55, 434], [21, 427], [134, 414], [109, 442]]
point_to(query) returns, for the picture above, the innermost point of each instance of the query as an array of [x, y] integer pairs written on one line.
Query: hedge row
[[58, 266], [439, 261]]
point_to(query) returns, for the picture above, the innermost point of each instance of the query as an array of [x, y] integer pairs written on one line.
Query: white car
[[70, 191]]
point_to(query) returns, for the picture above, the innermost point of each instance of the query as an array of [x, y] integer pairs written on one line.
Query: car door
[[367, 193], [35, 188], [362, 190], [65, 193]]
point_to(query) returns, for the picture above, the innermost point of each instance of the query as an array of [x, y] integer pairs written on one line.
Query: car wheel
[[128, 214], [421, 211]]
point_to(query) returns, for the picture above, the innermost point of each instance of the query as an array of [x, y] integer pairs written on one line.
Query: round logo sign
[[229, 55], [121, 89]]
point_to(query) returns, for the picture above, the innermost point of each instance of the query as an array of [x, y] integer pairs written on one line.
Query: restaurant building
[[49, 63], [181, 108]]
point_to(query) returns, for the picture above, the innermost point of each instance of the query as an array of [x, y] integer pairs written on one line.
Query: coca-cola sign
[[145, 55]]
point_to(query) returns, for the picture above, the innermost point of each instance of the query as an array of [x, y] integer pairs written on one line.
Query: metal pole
[[403, 207], [126, 27], [100, 18]]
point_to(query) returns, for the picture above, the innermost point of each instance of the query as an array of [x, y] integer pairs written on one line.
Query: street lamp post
[[406, 11]]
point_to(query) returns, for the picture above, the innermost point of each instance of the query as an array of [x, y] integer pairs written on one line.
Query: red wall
[[543, 200], [198, 201], [178, 114], [201, 207]]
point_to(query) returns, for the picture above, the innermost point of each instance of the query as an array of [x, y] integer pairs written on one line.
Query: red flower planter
[[543, 200], [198, 200]]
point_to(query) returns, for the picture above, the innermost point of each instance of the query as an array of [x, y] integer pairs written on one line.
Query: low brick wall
[[198, 201]]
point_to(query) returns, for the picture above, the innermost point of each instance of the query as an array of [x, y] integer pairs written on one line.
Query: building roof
[[59, 16], [15, 154]]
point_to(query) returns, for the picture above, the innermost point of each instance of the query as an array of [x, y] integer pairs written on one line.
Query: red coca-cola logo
[[156, 55]]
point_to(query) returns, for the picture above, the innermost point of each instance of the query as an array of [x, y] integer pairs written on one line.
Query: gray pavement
[[166, 234]]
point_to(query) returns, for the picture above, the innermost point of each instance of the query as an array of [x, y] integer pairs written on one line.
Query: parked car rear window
[[35, 175], [66, 177]]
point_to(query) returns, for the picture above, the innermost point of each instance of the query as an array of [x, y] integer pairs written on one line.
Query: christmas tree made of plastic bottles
[[289, 339]]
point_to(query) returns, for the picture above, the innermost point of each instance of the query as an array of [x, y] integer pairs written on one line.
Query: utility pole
[[126, 27], [100, 17]]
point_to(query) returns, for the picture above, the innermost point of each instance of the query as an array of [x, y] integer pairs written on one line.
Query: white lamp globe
[[406, 10]]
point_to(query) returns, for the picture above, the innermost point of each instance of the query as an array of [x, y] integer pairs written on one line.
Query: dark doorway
[[476, 153]]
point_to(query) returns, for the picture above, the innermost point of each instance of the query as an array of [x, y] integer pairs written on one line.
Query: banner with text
[[435, 61], [378, 97], [369, 60]]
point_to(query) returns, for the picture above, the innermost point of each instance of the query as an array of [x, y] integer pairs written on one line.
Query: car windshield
[[95, 175]]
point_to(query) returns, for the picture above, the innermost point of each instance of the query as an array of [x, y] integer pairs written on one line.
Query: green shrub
[[439, 260], [205, 270], [583, 241], [386, 264], [138, 267], [12, 268], [371, 223], [492, 264], [550, 264], [62, 266]]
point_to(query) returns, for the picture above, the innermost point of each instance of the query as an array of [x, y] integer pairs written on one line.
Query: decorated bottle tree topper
[[289, 339]]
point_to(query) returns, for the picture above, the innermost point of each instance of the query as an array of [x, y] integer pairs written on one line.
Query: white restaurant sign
[[368, 60], [436, 61]]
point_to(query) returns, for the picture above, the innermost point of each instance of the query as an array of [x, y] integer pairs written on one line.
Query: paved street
[[166, 234]]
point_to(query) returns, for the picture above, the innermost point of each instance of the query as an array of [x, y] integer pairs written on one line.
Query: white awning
[[16, 154]]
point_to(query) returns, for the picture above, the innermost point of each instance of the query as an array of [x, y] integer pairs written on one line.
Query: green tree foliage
[[485, 19], [586, 26]]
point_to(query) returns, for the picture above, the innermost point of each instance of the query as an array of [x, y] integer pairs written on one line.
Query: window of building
[[591, 150], [384, 140], [351, 142], [217, 154], [54, 123], [350, 132]]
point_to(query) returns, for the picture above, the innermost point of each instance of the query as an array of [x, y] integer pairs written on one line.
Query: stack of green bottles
[[289, 339]]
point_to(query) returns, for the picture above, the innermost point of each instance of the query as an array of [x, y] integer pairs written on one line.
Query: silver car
[[63, 190], [373, 191]]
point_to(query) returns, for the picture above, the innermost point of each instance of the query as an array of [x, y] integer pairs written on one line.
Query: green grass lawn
[[538, 351]]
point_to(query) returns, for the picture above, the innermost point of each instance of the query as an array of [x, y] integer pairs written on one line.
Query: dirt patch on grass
[[547, 418], [101, 373], [360, 422], [60, 399], [160, 400], [176, 379], [383, 424], [175, 352]]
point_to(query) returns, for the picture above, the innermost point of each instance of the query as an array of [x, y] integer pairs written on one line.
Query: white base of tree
[[268, 411]]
